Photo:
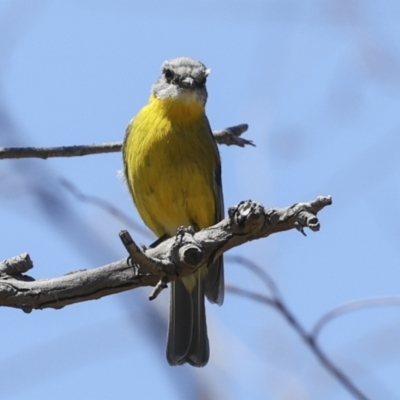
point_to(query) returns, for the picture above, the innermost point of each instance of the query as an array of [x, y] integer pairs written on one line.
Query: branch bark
[[173, 258], [228, 136]]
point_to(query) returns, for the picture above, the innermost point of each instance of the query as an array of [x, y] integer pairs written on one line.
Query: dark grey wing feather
[[214, 284]]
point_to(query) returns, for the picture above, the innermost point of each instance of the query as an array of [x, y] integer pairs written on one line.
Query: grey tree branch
[[232, 136], [228, 136], [308, 338], [105, 206], [175, 257], [276, 301], [355, 305], [62, 151]]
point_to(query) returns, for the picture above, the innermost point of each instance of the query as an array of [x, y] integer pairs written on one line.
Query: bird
[[173, 170]]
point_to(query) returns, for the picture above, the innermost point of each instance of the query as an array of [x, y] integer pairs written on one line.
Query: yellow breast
[[170, 160]]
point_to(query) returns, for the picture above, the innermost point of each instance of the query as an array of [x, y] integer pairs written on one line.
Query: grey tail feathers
[[187, 333]]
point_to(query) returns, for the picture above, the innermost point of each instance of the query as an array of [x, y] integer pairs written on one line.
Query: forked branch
[[173, 258]]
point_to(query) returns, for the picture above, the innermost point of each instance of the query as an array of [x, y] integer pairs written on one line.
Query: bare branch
[[105, 206], [249, 295], [353, 306], [279, 305], [72, 288], [173, 258], [231, 136], [62, 151], [227, 136], [258, 271], [323, 358]]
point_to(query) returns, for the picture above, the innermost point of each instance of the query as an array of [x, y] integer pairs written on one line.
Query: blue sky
[[318, 82]]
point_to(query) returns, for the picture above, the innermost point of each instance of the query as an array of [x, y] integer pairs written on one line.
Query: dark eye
[[203, 81], [168, 75]]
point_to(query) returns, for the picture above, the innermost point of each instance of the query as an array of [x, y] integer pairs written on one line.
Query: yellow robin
[[173, 170]]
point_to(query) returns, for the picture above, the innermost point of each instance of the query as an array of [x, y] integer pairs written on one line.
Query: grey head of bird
[[182, 79]]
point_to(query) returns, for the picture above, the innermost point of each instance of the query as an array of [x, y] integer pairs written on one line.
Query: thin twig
[[231, 136], [256, 270], [277, 303], [228, 136], [323, 358], [352, 306], [249, 294], [62, 151], [105, 206], [138, 256]]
